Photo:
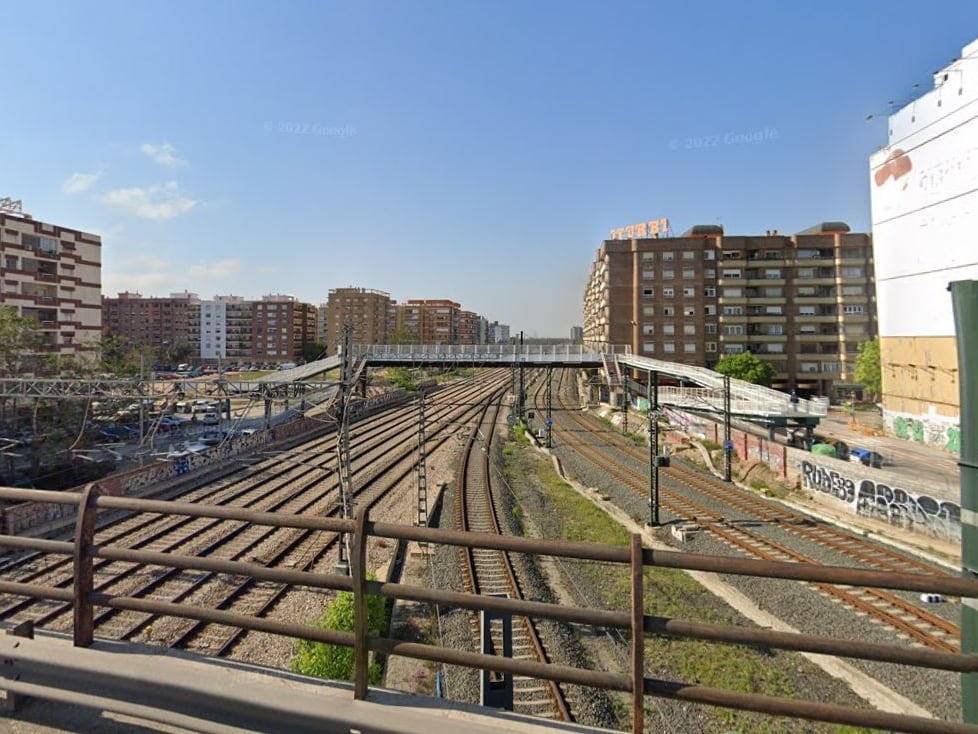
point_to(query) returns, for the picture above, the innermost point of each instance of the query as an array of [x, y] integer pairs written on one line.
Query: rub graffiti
[[897, 506]]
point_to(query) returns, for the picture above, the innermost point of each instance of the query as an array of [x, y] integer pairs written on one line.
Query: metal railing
[[84, 599]]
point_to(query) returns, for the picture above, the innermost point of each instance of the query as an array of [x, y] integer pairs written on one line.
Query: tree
[[868, 370], [20, 342], [313, 351], [745, 366]]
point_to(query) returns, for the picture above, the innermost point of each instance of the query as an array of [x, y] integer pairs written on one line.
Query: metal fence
[[84, 600]]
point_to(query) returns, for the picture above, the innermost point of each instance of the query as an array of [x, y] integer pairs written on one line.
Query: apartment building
[[469, 324], [428, 321], [281, 328], [369, 312], [803, 302], [158, 323], [52, 274], [276, 328]]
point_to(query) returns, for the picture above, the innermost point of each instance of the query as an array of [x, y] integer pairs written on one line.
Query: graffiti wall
[[932, 429], [883, 500]]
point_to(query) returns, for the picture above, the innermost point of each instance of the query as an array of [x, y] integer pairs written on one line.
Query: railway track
[[302, 481], [491, 572], [741, 528]]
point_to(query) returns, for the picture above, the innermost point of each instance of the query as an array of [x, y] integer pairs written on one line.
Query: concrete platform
[[116, 687]]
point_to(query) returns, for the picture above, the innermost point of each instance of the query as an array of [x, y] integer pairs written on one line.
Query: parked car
[[212, 438], [866, 457], [210, 419]]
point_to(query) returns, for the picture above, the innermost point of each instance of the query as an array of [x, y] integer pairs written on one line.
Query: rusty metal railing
[[84, 599]]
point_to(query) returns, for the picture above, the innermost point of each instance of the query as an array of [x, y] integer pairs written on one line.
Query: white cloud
[[215, 270], [158, 202], [79, 182], [162, 154]]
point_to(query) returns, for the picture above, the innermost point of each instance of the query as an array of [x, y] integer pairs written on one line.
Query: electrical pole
[[550, 420], [624, 421], [727, 442], [422, 470], [653, 448], [522, 390], [344, 470]]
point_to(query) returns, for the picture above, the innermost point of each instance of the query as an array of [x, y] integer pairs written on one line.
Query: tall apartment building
[[497, 333], [803, 303], [369, 312], [429, 321], [159, 323], [924, 194], [576, 333], [468, 328], [274, 329], [281, 328], [52, 274]]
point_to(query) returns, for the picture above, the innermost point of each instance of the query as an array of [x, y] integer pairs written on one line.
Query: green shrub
[[335, 662]]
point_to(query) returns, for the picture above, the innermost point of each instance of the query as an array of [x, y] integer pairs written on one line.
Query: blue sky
[[477, 151]]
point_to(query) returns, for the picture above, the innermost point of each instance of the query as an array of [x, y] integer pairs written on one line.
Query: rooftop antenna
[[11, 206]]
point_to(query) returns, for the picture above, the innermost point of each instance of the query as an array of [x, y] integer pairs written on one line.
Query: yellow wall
[[920, 372]]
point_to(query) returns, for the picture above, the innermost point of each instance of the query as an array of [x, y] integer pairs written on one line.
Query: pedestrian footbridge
[[700, 389]]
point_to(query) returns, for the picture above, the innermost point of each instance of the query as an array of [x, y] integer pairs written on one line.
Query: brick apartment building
[[369, 312], [52, 274], [274, 329], [803, 302], [158, 323], [434, 321]]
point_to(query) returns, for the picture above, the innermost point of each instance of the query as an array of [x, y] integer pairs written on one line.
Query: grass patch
[[667, 593]]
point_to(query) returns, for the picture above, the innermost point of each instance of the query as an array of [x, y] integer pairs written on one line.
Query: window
[[669, 348], [830, 366], [775, 330], [853, 290], [709, 254], [807, 291], [648, 329], [853, 309], [710, 328], [773, 310], [733, 292], [668, 329], [30, 241], [733, 310], [648, 274], [648, 347], [648, 292], [731, 254], [689, 254], [710, 292], [689, 329], [733, 330], [668, 310], [852, 272], [709, 273], [855, 329], [668, 274], [806, 310], [648, 310], [733, 348], [689, 310], [711, 346], [689, 292], [668, 256], [12, 237], [772, 254], [775, 348], [773, 292], [668, 292], [730, 273], [689, 273], [710, 310], [648, 256], [689, 347], [772, 274]]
